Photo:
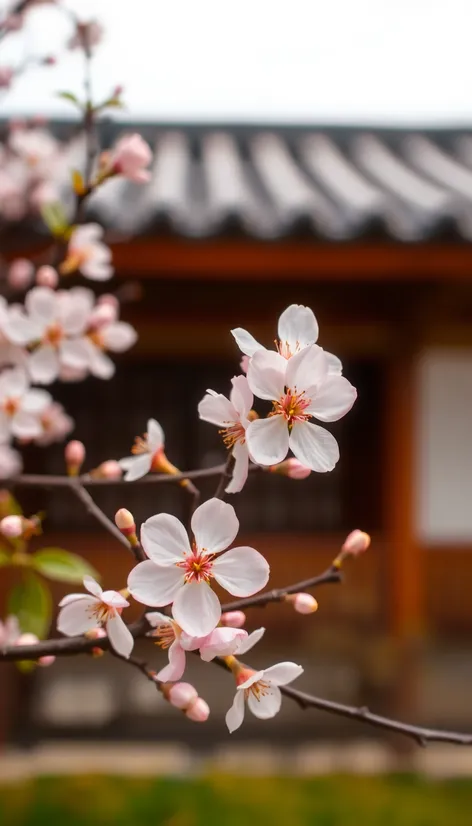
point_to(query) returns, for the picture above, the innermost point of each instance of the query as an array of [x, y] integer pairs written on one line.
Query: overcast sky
[[336, 61]]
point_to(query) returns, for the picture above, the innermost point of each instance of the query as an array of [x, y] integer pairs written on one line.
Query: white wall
[[444, 446]]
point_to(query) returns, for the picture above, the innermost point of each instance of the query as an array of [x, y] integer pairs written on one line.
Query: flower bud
[[47, 276], [291, 468], [181, 695], [27, 639], [109, 298], [198, 711], [356, 543], [11, 526], [49, 60], [47, 660], [233, 619], [303, 603], [103, 314], [74, 454], [124, 520], [20, 274], [107, 470]]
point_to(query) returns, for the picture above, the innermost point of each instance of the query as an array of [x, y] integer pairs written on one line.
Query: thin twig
[[101, 517], [37, 480], [141, 665], [331, 574], [226, 475]]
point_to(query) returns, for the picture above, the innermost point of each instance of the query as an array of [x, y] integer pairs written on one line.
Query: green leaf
[[55, 563], [5, 557], [70, 97], [8, 504], [115, 103], [30, 601], [55, 218]]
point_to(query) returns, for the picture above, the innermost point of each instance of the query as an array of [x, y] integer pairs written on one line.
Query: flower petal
[[121, 638], [100, 365], [164, 539], [235, 715], [241, 571], [119, 336], [241, 396], [240, 469], [76, 617], [245, 341], [155, 435], [35, 401], [92, 586], [41, 302], [176, 667], [217, 409], [214, 525], [154, 585], [136, 466], [155, 618], [13, 382], [25, 426], [74, 353], [335, 365], [114, 599], [43, 365], [333, 399], [222, 642], [196, 608], [72, 598], [266, 374], [282, 673], [268, 440], [307, 370], [245, 645], [267, 705], [314, 446], [298, 327]]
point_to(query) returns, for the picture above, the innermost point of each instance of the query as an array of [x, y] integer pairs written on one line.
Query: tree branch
[[92, 508], [331, 574], [226, 475], [36, 480]]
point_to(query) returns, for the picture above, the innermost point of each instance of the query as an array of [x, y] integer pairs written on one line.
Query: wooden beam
[[249, 260]]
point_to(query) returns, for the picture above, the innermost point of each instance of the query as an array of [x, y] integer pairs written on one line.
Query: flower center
[[53, 335], [198, 566], [292, 406], [283, 348], [164, 634], [103, 612], [141, 445], [10, 406], [258, 690], [96, 338], [233, 434]]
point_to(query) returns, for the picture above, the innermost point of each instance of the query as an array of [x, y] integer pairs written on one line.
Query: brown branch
[[332, 574], [225, 478], [141, 665], [37, 480], [92, 508]]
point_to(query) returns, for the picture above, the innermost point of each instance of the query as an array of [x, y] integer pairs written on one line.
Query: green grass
[[221, 800]]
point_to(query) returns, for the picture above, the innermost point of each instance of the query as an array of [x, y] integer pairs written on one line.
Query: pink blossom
[[10, 462], [297, 329], [87, 35], [87, 253], [130, 157], [182, 694], [56, 425], [145, 451], [233, 619], [47, 276], [198, 711], [80, 613], [10, 631], [231, 415], [37, 148], [105, 333], [11, 526], [291, 468], [221, 642], [260, 689], [45, 192], [13, 204], [20, 274], [20, 406], [180, 573], [300, 388]]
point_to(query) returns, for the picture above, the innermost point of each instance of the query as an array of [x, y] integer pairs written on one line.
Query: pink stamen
[[233, 434], [292, 407], [198, 566]]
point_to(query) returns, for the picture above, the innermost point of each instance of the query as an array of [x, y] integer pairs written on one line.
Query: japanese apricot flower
[[168, 635], [180, 573], [232, 416], [130, 157], [145, 450], [80, 613], [55, 322], [20, 406], [260, 689], [87, 253], [297, 329], [299, 389]]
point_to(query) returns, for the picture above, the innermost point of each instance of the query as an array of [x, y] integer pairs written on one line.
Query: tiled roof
[[275, 182]]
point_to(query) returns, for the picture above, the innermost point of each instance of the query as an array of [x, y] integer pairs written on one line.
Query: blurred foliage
[[223, 800]]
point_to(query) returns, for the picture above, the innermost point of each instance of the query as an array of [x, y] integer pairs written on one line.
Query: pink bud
[[74, 454], [303, 603], [124, 520], [117, 91], [49, 659], [49, 60], [95, 634], [20, 274], [356, 543], [198, 711], [182, 694], [11, 526], [27, 639], [291, 468], [108, 470], [233, 619], [47, 276], [102, 314]]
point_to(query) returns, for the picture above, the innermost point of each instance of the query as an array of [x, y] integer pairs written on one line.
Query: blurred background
[[318, 154]]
